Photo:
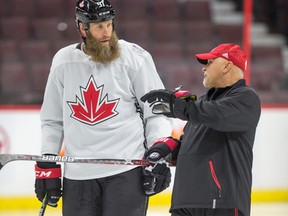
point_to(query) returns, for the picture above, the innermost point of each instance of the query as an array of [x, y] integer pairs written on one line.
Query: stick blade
[[4, 159]]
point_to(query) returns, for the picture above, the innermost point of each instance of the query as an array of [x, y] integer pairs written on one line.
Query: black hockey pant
[[206, 212], [118, 195]]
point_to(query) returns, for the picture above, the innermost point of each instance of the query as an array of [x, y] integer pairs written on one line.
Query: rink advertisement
[[20, 134]]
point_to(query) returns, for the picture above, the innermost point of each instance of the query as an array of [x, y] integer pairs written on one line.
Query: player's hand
[[161, 149], [48, 181], [162, 100], [156, 178]]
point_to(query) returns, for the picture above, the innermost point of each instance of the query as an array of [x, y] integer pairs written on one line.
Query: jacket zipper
[[214, 176]]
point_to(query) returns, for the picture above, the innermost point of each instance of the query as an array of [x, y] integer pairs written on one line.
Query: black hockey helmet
[[93, 11]]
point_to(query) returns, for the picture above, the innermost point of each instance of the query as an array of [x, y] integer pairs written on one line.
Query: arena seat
[[167, 51], [135, 30], [268, 54], [181, 73], [71, 32], [232, 33], [47, 29], [194, 48], [9, 51], [132, 9], [39, 75], [15, 28], [51, 8], [198, 32], [166, 10], [69, 9], [17, 8], [267, 66], [196, 10], [14, 79], [36, 51], [167, 31]]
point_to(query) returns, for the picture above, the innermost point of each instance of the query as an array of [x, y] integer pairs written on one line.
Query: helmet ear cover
[[81, 19]]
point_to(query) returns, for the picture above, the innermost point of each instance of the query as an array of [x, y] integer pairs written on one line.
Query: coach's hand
[[162, 100], [156, 178], [48, 181]]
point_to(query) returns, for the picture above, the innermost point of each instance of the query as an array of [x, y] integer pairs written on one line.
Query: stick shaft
[[43, 206], [6, 158]]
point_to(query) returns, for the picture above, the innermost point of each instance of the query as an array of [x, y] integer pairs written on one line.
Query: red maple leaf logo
[[91, 109]]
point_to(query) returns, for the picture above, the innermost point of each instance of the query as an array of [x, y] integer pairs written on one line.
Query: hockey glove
[[48, 181], [161, 149], [156, 178], [162, 100]]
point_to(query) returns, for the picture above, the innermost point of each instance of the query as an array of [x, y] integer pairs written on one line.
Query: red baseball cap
[[231, 52]]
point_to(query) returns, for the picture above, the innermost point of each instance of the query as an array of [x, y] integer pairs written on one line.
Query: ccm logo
[[43, 174], [47, 173], [163, 139]]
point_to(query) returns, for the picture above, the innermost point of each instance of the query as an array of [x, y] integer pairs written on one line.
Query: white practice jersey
[[96, 109]]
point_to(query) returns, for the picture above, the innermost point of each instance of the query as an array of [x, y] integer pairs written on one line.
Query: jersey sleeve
[[51, 114], [147, 79]]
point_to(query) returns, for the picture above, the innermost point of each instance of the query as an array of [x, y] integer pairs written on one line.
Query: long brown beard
[[99, 52]]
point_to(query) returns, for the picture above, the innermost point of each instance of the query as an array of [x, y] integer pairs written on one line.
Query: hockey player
[[213, 174], [92, 101]]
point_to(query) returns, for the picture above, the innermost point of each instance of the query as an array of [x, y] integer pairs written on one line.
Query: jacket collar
[[215, 92]]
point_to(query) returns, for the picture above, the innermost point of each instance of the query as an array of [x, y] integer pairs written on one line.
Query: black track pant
[[118, 195], [206, 212]]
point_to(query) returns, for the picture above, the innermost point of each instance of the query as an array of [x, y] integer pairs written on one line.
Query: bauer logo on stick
[[57, 158]]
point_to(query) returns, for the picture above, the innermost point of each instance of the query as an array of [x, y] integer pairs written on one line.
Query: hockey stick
[[43, 206], [6, 158]]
